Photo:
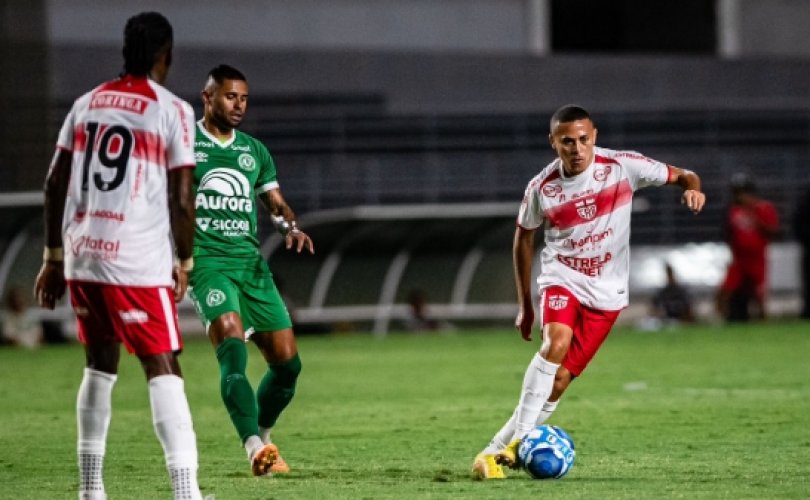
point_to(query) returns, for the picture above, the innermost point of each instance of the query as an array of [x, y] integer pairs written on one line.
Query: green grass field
[[709, 412]]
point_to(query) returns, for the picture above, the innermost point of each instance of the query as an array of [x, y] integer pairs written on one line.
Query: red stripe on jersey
[[554, 175], [604, 160], [149, 147], [129, 84], [186, 131], [538, 184], [586, 208], [79, 137]]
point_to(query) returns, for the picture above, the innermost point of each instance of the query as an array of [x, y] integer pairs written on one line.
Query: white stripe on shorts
[[174, 338], [541, 308]]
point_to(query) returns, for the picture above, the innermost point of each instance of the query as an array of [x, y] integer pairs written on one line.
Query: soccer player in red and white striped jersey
[[582, 203], [119, 200]]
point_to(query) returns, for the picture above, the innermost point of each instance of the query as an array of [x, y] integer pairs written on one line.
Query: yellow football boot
[[485, 467], [508, 455]]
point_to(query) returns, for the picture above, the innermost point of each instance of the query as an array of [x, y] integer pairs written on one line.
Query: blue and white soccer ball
[[547, 452]]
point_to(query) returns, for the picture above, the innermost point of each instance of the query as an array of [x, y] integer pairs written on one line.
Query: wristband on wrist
[[53, 254]]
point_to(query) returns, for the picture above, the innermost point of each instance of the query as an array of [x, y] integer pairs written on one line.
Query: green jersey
[[227, 179]]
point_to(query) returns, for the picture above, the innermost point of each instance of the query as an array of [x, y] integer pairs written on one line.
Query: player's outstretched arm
[[181, 213], [522, 253], [50, 282], [692, 197], [275, 203]]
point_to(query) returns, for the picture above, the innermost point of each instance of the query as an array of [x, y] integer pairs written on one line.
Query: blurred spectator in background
[[20, 325], [418, 319], [751, 223], [670, 306], [801, 228], [672, 303]]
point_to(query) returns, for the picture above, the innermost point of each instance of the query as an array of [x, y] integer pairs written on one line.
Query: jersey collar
[[213, 139]]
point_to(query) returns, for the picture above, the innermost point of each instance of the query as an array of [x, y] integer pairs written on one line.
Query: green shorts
[[247, 290]]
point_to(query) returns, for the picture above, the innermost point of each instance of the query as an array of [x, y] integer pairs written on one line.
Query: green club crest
[[215, 297], [246, 162]]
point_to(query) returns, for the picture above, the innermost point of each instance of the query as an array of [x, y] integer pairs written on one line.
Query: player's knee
[[288, 371]]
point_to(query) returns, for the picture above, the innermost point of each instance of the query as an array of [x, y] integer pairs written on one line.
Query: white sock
[[93, 413], [172, 419], [502, 437], [537, 385], [252, 445], [264, 434], [548, 409]]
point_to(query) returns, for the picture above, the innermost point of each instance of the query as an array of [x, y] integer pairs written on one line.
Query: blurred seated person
[[418, 319], [670, 306], [20, 326], [672, 303]]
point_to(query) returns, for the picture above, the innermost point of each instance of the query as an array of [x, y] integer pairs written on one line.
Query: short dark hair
[[225, 72], [145, 36], [742, 182], [569, 113]]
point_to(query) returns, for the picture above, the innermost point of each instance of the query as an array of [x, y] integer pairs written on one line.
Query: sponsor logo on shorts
[[215, 297], [557, 302], [246, 162], [133, 316]]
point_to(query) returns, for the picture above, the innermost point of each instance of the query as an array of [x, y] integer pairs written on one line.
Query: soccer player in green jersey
[[231, 285]]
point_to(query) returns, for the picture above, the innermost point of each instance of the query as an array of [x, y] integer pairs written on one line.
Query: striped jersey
[[124, 135], [586, 222]]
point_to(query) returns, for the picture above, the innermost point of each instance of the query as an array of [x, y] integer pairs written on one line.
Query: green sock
[[276, 390], [237, 394]]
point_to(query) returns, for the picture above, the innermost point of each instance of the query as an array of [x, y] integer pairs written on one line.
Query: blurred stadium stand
[[373, 109], [397, 203]]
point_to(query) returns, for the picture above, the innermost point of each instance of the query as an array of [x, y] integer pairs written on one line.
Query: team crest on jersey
[[586, 208], [557, 302], [215, 297], [600, 174], [246, 162]]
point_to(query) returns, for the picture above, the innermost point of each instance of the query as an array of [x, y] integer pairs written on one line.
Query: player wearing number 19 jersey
[[126, 136], [118, 203], [582, 204]]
